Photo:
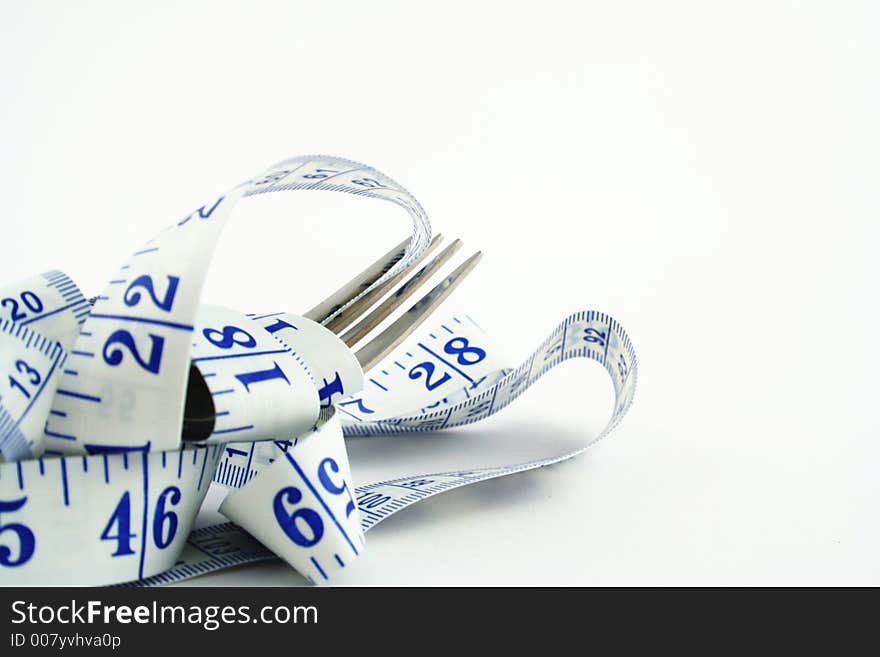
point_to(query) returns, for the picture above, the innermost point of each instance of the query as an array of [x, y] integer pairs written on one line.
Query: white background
[[707, 173]]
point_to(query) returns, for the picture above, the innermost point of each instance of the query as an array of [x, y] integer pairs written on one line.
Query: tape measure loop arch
[[138, 332]]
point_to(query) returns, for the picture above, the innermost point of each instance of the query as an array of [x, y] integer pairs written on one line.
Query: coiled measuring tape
[[97, 485]]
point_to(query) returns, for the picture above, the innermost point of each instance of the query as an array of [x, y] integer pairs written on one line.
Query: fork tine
[[375, 350], [401, 294], [356, 285], [362, 305]]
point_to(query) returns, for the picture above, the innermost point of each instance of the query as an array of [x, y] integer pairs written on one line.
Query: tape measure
[[102, 479]]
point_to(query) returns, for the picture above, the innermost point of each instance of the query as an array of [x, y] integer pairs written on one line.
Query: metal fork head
[[371, 314], [369, 309], [380, 346]]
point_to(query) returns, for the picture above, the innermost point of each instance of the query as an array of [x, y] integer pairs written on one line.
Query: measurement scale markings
[[49, 314], [62, 436], [243, 355], [318, 566], [379, 384], [78, 395], [443, 360], [202, 473], [255, 318], [339, 408], [144, 320], [247, 467], [271, 186], [146, 511], [64, 482], [409, 488]]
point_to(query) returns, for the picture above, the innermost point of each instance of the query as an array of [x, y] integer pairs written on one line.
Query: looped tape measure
[[98, 487]]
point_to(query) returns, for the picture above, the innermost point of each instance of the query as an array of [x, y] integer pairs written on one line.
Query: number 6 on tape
[[302, 507]]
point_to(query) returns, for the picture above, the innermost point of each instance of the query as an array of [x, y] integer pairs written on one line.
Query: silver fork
[[369, 311], [380, 346]]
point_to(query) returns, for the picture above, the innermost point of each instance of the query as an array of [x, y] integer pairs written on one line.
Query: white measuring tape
[[97, 486]]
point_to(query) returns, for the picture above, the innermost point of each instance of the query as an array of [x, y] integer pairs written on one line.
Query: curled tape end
[[302, 507]]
